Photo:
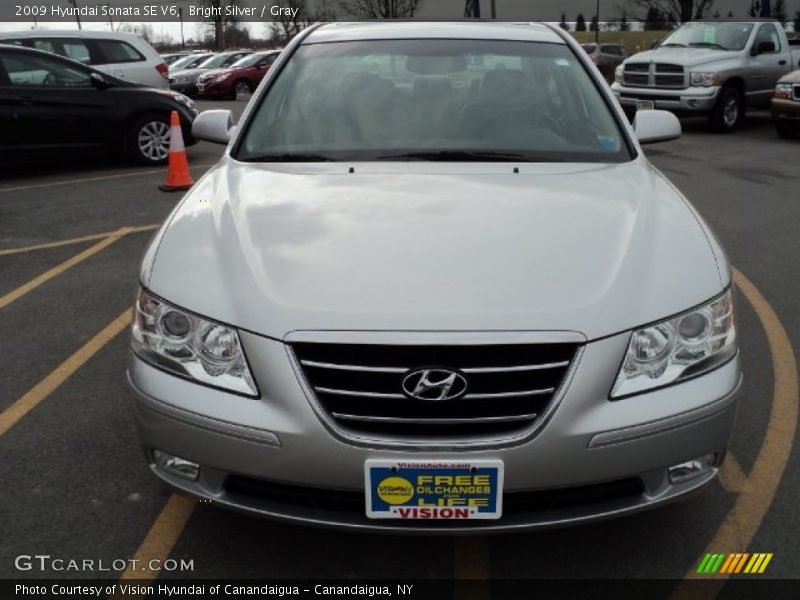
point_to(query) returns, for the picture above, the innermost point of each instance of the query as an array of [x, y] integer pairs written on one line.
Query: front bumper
[[276, 450], [188, 88], [692, 100], [785, 109], [217, 88]]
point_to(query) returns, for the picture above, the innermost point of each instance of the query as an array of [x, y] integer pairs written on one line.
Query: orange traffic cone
[[178, 177]]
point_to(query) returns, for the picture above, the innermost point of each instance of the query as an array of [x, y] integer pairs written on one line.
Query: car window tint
[[76, 50], [768, 33], [41, 71], [114, 51], [366, 100], [45, 45], [612, 50]]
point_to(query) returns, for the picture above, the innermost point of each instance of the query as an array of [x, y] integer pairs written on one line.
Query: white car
[[126, 56], [435, 284]]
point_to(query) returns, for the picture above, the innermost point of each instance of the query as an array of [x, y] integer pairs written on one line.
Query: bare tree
[[673, 11], [289, 23], [378, 9]]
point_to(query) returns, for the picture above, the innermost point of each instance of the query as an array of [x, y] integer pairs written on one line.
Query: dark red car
[[242, 77]]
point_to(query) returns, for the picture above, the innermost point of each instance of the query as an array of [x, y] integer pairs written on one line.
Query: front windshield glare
[[433, 100], [247, 61], [722, 36], [213, 62]]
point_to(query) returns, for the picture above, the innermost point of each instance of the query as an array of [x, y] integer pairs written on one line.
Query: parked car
[[189, 62], [124, 56], [242, 77], [53, 105], [785, 106], [185, 81], [487, 307], [171, 58], [716, 67], [607, 57]]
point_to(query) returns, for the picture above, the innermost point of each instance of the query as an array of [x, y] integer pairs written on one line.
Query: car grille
[[360, 386], [656, 75]]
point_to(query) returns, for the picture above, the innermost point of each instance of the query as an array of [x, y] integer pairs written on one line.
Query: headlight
[[678, 348], [185, 100], [783, 90], [190, 346], [705, 79], [618, 73]]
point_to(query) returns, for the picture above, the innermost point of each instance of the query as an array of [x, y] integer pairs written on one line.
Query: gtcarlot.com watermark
[[48, 563]]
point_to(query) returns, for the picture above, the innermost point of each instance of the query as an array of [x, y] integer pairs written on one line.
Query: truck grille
[[360, 386], [654, 75]]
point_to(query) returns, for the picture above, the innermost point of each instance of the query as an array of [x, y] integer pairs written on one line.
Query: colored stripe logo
[[734, 563]]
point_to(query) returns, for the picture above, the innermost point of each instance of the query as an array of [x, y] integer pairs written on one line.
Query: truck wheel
[[728, 112], [786, 130]]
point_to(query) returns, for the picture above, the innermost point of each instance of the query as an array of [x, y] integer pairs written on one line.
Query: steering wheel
[[523, 115]]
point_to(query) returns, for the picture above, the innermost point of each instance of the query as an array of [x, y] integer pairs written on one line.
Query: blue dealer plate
[[420, 489]]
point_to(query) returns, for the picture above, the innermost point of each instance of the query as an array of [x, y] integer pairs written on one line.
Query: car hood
[[793, 77], [191, 73], [272, 248], [688, 57]]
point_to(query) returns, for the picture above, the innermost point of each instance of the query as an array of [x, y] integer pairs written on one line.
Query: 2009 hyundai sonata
[[435, 285]]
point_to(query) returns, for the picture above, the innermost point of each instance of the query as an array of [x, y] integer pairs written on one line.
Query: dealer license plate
[[423, 489], [645, 105]]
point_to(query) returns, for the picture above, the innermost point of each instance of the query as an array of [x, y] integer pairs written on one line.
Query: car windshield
[[722, 36], [247, 61], [590, 48], [214, 62], [455, 100]]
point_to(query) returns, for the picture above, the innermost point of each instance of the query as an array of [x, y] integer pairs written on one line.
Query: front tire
[[241, 86], [728, 112], [148, 139]]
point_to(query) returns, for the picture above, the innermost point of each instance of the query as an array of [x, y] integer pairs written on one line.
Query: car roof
[[737, 20], [121, 35], [467, 29]]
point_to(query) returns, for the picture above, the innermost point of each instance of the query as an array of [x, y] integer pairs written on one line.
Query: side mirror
[[263, 66], [214, 126], [766, 47], [98, 81], [656, 126]]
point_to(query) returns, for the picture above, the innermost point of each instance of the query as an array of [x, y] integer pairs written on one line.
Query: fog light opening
[[692, 468], [175, 465], [693, 103]]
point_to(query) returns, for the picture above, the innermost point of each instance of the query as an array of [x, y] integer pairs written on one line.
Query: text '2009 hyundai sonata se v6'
[[435, 285]]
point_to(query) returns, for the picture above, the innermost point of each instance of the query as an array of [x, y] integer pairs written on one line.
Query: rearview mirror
[[98, 81], [765, 47], [656, 126], [214, 126]]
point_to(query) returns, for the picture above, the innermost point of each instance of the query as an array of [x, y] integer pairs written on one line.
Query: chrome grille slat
[[555, 365], [359, 394], [321, 365], [359, 387], [654, 75], [444, 421], [510, 394]]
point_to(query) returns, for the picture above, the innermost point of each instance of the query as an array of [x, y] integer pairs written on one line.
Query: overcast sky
[[508, 10]]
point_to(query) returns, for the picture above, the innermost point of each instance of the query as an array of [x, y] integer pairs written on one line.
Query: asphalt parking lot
[[74, 482]]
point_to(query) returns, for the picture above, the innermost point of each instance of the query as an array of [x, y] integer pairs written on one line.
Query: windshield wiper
[[288, 157], [460, 156], [707, 45], [673, 44]]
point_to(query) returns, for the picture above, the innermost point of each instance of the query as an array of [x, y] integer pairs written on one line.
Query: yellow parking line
[[90, 179], [161, 539], [31, 399], [69, 242], [731, 475], [743, 521], [58, 269]]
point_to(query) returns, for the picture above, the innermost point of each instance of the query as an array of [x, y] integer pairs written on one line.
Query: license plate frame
[[476, 495]]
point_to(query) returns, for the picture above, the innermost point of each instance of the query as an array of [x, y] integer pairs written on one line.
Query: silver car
[[434, 285]]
